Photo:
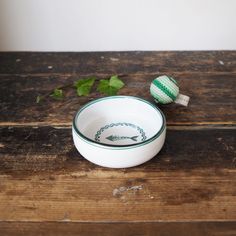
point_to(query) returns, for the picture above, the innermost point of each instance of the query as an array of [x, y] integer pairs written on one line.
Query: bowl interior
[[119, 121]]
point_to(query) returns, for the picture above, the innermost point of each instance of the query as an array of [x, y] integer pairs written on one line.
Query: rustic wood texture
[[213, 99], [40, 174], [117, 229], [117, 62], [48, 188], [28, 150]]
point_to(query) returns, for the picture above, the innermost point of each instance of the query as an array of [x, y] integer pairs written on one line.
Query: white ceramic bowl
[[119, 131]]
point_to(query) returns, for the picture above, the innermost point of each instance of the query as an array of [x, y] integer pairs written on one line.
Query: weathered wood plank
[[107, 196], [117, 62], [213, 99], [108, 229], [29, 149], [43, 178]]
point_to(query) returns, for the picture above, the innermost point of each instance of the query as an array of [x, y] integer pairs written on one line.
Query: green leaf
[[104, 87], [84, 86], [57, 94], [116, 82], [110, 87], [38, 99]]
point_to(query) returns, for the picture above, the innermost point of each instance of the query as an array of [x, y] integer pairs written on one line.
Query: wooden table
[[48, 188]]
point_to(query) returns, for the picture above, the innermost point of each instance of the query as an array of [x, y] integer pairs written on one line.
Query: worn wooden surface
[[129, 229], [47, 188]]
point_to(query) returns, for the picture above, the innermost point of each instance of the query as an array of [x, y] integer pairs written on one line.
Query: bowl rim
[[111, 146]]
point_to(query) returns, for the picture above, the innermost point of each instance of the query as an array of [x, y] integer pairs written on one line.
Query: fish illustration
[[116, 138]]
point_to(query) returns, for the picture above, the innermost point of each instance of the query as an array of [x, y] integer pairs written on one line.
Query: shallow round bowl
[[119, 131]]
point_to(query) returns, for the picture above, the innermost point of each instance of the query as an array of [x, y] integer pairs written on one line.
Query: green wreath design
[[140, 130]]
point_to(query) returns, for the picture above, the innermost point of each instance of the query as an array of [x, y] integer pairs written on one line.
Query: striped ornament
[[164, 89]]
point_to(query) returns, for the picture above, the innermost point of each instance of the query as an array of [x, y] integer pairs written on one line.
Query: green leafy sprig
[[111, 86], [57, 93], [83, 87]]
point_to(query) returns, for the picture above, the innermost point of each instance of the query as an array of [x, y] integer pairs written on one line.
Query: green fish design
[[116, 138]]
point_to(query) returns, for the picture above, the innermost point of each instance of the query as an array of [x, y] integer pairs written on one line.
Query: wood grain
[[117, 62], [48, 188], [213, 99], [108, 229], [112, 196], [43, 178], [28, 150]]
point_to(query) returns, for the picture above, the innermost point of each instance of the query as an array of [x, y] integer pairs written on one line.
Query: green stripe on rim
[[164, 89], [117, 147]]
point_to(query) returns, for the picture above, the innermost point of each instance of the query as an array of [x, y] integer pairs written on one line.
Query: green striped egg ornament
[[164, 89]]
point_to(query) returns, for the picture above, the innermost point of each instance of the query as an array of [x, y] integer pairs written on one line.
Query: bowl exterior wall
[[118, 157]]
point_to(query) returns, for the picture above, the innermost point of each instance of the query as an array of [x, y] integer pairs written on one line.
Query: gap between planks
[[46, 74], [120, 221], [170, 126]]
